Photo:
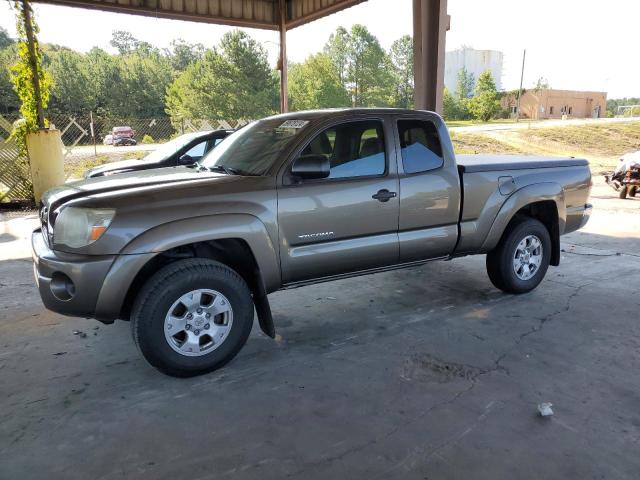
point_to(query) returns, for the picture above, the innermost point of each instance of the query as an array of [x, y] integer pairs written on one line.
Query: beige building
[[547, 103]]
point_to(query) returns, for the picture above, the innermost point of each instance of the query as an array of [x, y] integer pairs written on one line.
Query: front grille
[[44, 218]]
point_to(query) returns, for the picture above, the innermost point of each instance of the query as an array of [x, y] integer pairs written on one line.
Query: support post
[[35, 79], [284, 88], [430, 25]]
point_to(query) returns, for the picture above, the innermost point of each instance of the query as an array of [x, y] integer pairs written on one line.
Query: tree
[[368, 70], [69, 81], [233, 81], [337, 49], [145, 79], [464, 84], [484, 105], [124, 41], [9, 102], [183, 54], [401, 55], [104, 91], [5, 39], [542, 84], [450, 109], [316, 84]]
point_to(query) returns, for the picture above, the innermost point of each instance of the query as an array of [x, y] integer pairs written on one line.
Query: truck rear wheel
[[191, 317], [632, 191], [521, 259]]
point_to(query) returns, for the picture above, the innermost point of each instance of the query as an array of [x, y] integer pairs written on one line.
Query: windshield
[[255, 148], [171, 147]]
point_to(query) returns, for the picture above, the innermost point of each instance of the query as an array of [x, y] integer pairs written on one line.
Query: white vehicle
[[108, 140]]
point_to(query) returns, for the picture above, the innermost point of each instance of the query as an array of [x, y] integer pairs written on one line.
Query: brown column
[[284, 89], [430, 25]]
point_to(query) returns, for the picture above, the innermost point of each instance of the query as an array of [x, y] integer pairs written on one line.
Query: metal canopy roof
[[241, 13], [430, 24]]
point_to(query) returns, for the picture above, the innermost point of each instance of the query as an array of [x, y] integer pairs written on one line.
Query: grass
[[75, 169], [495, 121], [478, 143], [601, 140]]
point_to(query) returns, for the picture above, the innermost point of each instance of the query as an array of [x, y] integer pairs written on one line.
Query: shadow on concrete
[[7, 237]]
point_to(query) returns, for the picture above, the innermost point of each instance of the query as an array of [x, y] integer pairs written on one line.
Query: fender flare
[[135, 255], [537, 192]]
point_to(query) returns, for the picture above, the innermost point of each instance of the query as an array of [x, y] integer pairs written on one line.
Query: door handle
[[384, 195]]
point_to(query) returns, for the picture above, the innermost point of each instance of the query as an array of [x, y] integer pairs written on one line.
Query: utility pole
[[524, 55], [35, 79]]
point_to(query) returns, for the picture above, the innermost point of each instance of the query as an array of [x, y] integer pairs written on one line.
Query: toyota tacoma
[[187, 253]]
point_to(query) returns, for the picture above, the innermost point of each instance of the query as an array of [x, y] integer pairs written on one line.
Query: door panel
[[334, 226], [429, 194]]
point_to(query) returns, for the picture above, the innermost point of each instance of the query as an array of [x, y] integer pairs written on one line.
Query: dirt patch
[[428, 368]]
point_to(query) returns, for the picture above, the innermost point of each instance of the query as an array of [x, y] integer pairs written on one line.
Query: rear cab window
[[420, 146]]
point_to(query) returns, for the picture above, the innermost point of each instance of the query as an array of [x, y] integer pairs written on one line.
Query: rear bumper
[[577, 217], [68, 283]]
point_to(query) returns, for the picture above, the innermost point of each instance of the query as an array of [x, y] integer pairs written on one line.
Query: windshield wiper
[[231, 170]]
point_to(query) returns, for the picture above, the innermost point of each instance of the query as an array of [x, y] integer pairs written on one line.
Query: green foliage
[[315, 84], [484, 105], [464, 84], [362, 65], [337, 49], [9, 101], [614, 103], [69, 81], [542, 84], [368, 69], [183, 54], [22, 79], [401, 56], [450, 106], [148, 139], [231, 81], [5, 39], [124, 41]]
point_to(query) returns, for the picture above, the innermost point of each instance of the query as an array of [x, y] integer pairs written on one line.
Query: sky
[[575, 44]]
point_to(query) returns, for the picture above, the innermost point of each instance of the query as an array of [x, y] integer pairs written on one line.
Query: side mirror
[[186, 160], [311, 166]]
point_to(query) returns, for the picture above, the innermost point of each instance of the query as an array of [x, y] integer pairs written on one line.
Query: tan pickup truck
[[186, 253]]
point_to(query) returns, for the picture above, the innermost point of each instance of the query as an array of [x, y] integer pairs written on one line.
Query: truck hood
[[55, 197], [118, 167]]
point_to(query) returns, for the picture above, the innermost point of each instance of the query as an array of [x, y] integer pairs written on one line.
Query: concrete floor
[[428, 373]]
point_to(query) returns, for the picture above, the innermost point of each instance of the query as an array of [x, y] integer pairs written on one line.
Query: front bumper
[[69, 284]]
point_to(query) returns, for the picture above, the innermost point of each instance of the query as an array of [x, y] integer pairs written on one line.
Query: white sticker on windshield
[[294, 124]]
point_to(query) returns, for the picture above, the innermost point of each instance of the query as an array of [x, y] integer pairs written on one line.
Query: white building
[[475, 61]]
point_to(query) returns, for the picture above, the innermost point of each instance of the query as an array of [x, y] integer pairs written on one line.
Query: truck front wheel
[[521, 259], [191, 317]]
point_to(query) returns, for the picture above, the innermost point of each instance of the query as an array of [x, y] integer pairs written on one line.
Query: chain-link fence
[[86, 142], [15, 178], [80, 130]]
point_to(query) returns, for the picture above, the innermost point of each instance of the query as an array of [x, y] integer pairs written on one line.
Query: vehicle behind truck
[[187, 253]]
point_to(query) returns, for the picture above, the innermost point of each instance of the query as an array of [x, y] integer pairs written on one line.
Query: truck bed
[[489, 163]]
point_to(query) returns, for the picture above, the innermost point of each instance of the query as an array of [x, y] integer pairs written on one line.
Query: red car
[[123, 136]]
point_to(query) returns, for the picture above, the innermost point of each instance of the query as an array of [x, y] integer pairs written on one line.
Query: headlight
[[77, 227]]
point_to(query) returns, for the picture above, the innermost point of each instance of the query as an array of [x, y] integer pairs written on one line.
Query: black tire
[[500, 260], [623, 192], [632, 191], [168, 285]]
